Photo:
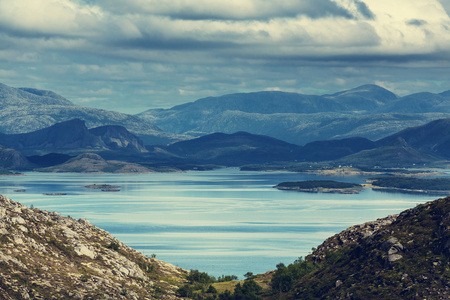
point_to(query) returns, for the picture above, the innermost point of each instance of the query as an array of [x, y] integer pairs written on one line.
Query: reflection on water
[[220, 222]]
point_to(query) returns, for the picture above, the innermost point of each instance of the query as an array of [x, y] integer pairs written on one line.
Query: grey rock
[[394, 257], [387, 244]]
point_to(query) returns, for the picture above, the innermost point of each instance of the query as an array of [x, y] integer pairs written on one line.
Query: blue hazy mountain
[[73, 137], [24, 110], [367, 111]]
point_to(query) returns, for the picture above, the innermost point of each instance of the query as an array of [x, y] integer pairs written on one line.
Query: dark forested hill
[[73, 136], [433, 137], [334, 149], [235, 149]]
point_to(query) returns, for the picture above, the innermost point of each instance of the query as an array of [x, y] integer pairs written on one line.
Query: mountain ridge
[[367, 111], [24, 110], [73, 136]]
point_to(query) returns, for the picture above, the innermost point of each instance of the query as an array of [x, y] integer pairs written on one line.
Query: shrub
[[114, 246]]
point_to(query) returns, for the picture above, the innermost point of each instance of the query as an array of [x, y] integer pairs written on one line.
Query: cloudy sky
[[134, 55]]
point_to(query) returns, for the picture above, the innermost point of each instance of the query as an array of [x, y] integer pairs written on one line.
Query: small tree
[[249, 275], [211, 290]]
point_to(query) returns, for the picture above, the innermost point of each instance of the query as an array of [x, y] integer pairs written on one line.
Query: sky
[[134, 55]]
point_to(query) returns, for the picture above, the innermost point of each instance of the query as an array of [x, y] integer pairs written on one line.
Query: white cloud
[[49, 17]]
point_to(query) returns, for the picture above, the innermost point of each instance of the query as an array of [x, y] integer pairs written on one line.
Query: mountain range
[[367, 111], [24, 110], [58, 144], [359, 125], [73, 137], [427, 145]]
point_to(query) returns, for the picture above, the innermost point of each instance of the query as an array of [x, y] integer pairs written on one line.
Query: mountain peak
[[10, 96], [73, 136]]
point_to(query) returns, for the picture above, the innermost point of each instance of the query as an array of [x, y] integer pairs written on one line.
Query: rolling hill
[[234, 149]]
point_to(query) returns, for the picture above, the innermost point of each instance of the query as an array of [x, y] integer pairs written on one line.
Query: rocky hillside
[[405, 256], [44, 255]]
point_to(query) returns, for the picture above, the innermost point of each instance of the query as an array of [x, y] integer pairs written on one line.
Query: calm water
[[220, 222]]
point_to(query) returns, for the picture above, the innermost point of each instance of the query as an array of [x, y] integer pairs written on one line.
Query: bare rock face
[[350, 235], [44, 255], [405, 256]]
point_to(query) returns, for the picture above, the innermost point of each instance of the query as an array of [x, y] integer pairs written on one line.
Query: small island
[[321, 186], [55, 194], [435, 186], [104, 187]]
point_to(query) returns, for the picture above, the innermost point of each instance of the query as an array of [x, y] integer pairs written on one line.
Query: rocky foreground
[[44, 255], [404, 256]]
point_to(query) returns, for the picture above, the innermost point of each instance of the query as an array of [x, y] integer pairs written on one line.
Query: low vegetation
[[203, 286]]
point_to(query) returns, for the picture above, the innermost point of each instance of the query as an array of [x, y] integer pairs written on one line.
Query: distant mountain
[[73, 137], [334, 149], [390, 157], [234, 149], [24, 109], [421, 103], [47, 160], [423, 145], [432, 138], [12, 159], [21, 97], [364, 98], [94, 163], [367, 111]]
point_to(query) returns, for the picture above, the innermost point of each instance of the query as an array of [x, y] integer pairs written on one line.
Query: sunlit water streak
[[221, 222]]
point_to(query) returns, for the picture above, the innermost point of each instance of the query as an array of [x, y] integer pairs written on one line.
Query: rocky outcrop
[[118, 138], [404, 256], [44, 255], [353, 234]]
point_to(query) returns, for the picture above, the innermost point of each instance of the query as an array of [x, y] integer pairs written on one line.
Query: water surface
[[221, 222]]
